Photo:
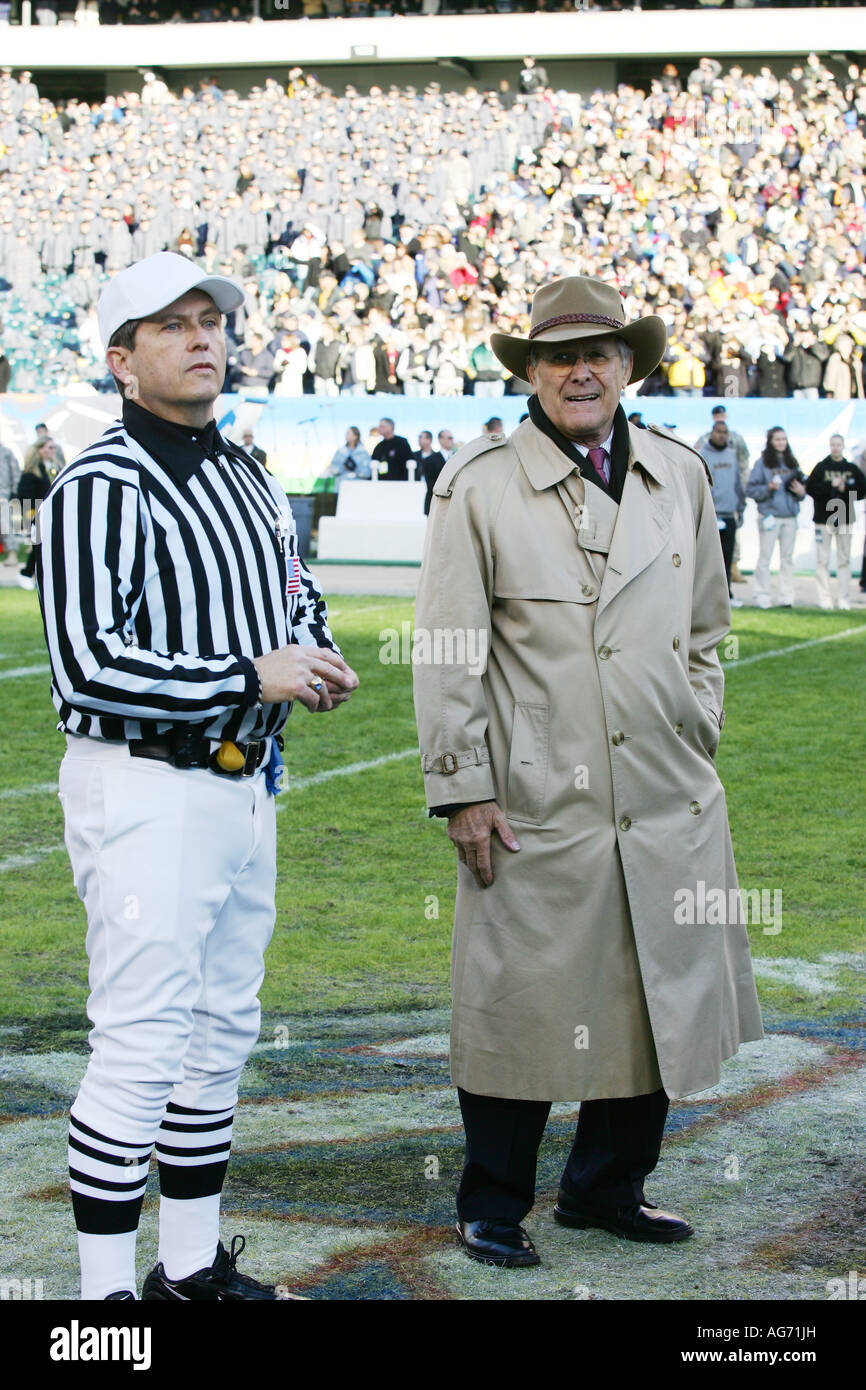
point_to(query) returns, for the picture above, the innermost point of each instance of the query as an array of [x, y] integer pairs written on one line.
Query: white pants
[[177, 872], [824, 537], [785, 532]]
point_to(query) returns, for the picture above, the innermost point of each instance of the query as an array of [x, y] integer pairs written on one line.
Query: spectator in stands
[[351, 460], [493, 426], [503, 208], [412, 367], [5, 372], [806, 357], [430, 464], [394, 451], [686, 371], [290, 364], [843, 377], [487, 374], [778, 486], [255, 366], [834, 485], [327, 360], [357, 364]]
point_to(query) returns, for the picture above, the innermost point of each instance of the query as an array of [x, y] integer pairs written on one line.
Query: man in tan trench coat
[[569, 704]]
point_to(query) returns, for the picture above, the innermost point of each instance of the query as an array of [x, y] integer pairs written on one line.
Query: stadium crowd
[[381, 235], [50, 12]]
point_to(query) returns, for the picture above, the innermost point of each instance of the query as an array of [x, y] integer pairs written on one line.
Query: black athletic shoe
[[220, 1281], [121, 1294]]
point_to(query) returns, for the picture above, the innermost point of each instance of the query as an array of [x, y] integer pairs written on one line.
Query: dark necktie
[[599, 460]]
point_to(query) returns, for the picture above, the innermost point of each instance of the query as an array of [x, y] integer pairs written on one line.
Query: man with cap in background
[[581, 557], [181, 624], [744, 462]]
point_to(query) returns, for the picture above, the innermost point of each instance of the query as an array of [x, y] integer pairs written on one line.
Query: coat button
[[695, 808], [677, 560], [587, 590], [678, 728], [676, 644], [625, 823], [604, 653], [617, 737]]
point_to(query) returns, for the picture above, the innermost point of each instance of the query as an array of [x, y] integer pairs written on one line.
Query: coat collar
[[545, 465]]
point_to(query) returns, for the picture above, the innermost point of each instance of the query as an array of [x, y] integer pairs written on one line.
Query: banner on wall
[[300, 434]]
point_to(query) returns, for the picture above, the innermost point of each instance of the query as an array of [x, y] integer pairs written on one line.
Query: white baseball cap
[[152, 284]]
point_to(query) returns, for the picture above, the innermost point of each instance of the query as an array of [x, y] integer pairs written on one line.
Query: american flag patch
[[293, 574]]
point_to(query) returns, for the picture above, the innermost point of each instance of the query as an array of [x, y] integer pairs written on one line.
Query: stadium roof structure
[[463, 39]]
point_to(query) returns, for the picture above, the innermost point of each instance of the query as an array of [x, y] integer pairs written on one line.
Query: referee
[[181, 624]]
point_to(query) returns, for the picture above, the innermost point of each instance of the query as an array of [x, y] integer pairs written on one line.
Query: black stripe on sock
[[119, 1159], [104, 1184], [193, 1153], [196, 1180], [96, 1218], [197, 1129], [172, 1109]]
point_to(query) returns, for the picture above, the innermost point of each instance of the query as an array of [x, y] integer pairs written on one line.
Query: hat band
[[574, 318]]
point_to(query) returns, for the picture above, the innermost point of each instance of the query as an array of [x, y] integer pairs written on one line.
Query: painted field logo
[[438, 646], [715, 907], [77, 1343]]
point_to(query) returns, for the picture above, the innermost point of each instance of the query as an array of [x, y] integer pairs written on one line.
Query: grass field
[[349, 1078]]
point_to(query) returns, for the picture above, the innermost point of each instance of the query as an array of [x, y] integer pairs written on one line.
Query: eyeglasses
[[565, 358]]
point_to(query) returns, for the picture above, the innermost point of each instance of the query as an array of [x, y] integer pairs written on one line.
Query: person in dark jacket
[[393, 450], [771, 374], [834, 485], [806, 357], [430, 464]]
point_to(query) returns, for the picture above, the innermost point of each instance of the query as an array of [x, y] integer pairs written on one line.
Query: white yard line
[[23, 861], [297, 784], [24, 671], [13, 793], [794, 647]]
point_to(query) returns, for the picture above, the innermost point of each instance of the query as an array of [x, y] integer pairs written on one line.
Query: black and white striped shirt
[[166, 563]]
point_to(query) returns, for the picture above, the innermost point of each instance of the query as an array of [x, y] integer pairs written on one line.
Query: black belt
[[187, 748]]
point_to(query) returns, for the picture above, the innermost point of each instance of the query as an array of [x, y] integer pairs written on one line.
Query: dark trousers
[[728, 537], [617, 1143]]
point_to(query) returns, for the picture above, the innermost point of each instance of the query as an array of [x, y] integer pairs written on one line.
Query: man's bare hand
[[471, 830], [289, 672]]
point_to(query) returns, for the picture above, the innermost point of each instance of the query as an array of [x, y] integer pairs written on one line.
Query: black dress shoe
[[499, 1242], [637, 1222]]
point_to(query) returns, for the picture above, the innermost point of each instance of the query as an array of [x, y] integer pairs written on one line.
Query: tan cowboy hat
[[578, 307]]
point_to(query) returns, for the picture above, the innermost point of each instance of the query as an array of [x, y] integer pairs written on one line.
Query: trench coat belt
[[453, 762]]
